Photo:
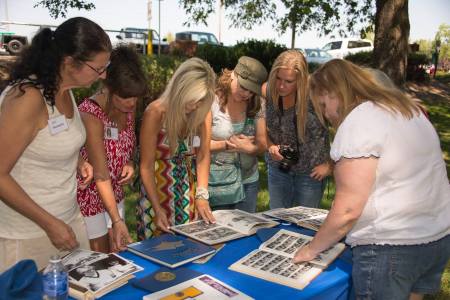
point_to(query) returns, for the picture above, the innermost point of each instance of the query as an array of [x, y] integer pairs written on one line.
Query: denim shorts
[[393, 272]]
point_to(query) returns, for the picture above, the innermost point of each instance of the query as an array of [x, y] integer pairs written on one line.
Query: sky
[[425, 18]]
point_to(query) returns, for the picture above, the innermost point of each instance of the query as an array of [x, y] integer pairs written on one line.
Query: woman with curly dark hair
[[41, 134]]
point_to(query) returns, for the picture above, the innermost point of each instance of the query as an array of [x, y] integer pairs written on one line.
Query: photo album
[[272, 261], [230, 225], [94, 274], [170, 250], [307, 217]]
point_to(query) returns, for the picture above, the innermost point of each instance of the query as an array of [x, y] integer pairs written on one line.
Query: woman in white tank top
[[40, 136]]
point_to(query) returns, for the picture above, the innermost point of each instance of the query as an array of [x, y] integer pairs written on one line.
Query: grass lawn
[[438, 104]]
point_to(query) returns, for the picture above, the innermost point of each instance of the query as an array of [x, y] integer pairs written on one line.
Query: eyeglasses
[[99, 71]]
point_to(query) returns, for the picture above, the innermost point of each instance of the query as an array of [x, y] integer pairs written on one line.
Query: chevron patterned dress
[[175, 187]]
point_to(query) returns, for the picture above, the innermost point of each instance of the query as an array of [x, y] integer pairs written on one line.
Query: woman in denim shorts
[[392, 192]]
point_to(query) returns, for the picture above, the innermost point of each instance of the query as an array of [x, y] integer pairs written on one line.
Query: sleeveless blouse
[[118, 153], [281, 129], [175, 186], [46, 171]]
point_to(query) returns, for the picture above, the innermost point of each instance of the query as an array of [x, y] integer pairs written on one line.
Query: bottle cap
[[55, 258]]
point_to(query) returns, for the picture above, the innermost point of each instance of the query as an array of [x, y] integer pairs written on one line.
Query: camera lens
[[284, 165]]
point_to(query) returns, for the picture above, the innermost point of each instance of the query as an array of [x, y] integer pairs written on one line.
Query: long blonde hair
[[193, 81], [294, 60], [354, 85]]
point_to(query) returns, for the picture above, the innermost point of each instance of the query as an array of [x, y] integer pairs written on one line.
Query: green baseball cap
[[251, 74]]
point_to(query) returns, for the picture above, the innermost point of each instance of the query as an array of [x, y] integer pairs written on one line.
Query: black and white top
[[316, 148]]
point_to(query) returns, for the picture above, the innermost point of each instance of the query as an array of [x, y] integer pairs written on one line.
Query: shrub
[[361, 58], [312, 67], [415, 70], [219, 57], [265, 51], [415, 66]]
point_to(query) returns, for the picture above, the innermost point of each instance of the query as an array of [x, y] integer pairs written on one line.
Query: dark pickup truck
[[11, 43]]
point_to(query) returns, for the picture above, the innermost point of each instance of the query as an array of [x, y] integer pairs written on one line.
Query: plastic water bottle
[[55, 280]]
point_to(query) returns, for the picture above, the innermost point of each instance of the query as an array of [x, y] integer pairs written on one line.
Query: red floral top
[[118, 153]]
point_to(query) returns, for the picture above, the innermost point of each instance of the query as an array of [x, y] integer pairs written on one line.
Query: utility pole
[[159, 27], [149, 33], [6, 15]]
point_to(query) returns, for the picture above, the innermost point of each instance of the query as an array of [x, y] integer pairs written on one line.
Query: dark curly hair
[[39, 64], [125, 76]]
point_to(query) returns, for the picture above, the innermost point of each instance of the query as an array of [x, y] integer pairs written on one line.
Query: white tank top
[[46, 170]]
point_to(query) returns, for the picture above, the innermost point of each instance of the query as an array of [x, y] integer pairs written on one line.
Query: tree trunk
[[391, 38], [294, 29]]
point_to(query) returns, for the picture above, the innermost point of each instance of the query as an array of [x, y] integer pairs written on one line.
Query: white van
[[342, 47]]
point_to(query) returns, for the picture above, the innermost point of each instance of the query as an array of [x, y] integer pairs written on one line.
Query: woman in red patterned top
[[109, 120]]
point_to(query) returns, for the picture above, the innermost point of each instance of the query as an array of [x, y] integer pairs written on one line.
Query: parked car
[[317, 56], [342, 47], [138, 37], [11, 43], [198, 36]]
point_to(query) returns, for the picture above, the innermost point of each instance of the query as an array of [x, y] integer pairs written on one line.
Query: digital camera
[[290, 157]]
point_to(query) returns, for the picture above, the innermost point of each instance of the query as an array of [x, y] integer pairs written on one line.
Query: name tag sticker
[[196, 141], [111, 133], [57, 124]]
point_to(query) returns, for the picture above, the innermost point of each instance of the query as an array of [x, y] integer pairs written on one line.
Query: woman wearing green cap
[[238, 131]]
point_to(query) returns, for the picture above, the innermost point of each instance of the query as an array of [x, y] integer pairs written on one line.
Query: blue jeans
[[249, 202], [289, 189], [393, 272]]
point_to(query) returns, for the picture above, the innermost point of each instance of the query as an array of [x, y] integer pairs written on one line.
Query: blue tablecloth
[[333, 283]]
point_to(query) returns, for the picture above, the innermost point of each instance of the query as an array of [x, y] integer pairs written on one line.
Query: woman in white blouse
[[392, 193]]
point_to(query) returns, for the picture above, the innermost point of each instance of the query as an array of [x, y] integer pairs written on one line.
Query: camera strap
[[294, 119]]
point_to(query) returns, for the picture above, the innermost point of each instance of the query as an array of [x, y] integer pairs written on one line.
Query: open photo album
[[272, 261], [230, 225], [94, 274], [307, 217]]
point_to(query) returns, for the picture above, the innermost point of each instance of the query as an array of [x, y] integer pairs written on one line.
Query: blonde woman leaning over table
[[172, 127]]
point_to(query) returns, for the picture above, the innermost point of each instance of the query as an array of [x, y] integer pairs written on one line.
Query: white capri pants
[[98, 225]]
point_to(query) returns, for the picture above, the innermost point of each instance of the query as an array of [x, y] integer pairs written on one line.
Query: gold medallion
[[164, 276]]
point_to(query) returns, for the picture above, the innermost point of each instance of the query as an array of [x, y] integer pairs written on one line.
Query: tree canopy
[[58, 8], [299, 15]]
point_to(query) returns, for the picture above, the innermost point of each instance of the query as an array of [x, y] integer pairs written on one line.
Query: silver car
[[317, 56]]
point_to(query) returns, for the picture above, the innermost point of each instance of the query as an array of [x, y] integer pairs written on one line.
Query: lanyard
[[294, 119]]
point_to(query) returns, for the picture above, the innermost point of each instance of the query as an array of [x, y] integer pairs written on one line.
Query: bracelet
[[202, 192], [116, 221]]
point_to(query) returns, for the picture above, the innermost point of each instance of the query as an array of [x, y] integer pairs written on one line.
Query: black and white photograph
[[81, 257], [192, 228], [217, 234], [311, 218], [101, 273], [302, 269], [230, 225]]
